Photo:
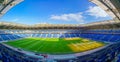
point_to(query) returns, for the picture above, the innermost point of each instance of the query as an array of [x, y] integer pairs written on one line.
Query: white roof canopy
[[6, 5]]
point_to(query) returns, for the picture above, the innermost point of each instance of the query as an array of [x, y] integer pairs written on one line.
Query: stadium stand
[[103, 31], [106, 54]]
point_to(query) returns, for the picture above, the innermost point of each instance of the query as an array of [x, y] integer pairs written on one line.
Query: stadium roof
[[102, 24], [112, 7], [11, 25], [6, 5]]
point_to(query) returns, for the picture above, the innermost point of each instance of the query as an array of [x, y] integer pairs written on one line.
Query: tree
[[1, 1]]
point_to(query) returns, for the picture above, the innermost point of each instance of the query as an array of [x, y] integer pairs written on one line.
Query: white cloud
[[96, 12], [68, 17], [43, 23], [14, 20]]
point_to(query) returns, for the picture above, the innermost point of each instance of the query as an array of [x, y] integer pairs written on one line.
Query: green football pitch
[[54, 45]]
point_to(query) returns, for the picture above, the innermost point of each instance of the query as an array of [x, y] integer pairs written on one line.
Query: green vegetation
[[48, 45], [1, 1]]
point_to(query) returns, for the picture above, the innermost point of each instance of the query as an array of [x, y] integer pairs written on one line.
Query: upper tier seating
[[102, 35], [97, 35]]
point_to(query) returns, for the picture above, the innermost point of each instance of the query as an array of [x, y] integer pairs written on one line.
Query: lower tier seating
[[108, 54]]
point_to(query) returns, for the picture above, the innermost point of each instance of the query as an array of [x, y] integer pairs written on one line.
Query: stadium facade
[[103, 31]]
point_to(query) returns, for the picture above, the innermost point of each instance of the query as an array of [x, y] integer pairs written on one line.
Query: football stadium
[[91, 42]]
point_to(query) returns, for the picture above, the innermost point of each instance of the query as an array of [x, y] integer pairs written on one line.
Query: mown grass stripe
[[46, 45]]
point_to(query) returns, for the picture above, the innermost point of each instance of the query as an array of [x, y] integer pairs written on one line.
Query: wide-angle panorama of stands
[[107, 31]]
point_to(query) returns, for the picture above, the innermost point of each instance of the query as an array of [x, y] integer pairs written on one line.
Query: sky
[[55, 12]]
